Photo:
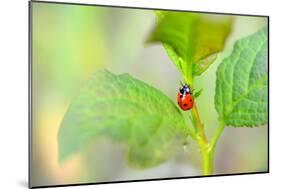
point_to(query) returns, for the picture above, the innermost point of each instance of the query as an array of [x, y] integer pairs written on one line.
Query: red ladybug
[[185, 98]]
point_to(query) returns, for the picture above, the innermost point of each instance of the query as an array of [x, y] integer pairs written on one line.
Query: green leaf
[[127, 110], [198, 93], [192, 40], [242, 83]]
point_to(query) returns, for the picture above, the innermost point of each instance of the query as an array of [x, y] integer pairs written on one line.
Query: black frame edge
[[145, 8]]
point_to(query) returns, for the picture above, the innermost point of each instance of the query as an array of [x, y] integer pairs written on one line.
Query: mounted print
[[121, 94]]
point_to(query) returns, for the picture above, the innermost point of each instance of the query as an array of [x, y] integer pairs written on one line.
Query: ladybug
[[185, 98]]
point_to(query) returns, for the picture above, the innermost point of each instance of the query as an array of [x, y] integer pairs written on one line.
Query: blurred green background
[[70, 43]]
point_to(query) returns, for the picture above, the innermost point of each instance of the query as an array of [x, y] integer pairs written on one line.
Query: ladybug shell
[[185, 102]]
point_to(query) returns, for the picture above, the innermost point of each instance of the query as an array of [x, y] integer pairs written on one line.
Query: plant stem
[[216, 136], [207, 156], [206, 148], [206, 152], [199, 124]]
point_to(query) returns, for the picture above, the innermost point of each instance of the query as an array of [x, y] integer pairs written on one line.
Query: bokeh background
[[71, 42]]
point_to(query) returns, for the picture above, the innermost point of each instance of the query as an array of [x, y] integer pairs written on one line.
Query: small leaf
[[198, 93], [192, 40], [203, 64], [127, 110], [242, 83]]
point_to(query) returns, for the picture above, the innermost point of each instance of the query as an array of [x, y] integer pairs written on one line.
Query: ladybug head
[[181, 90], [185, 89]]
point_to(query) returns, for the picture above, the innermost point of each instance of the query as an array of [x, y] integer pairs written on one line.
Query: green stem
[[217, 135], [207, 156], [206, 148], [198, 125], [206, 152]]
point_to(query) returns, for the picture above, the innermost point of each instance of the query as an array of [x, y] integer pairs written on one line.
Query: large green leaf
[[192, 40], [242, 83], [127, 110]]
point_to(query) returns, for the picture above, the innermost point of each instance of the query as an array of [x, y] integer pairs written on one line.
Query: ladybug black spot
[[190, 100], [181, 96], [185, 105]]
